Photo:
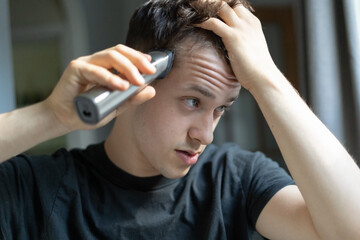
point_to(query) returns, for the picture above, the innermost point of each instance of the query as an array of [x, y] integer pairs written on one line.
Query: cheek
[[164, 123]]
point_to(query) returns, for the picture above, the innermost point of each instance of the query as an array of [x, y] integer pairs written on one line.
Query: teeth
[[187, 153]]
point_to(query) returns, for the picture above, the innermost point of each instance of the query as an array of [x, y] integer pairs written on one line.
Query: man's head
[[166, 24], [166, 134]]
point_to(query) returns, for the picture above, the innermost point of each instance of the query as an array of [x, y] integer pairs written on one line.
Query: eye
[[192, 102], [222, 109]]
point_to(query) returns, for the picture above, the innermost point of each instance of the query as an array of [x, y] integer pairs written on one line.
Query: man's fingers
[[144, 95], [228, 15], [141, 60], [124, 66], [245, 14], [216, 25], [90, 73], [112, 59], [128, 62], [242, 11]]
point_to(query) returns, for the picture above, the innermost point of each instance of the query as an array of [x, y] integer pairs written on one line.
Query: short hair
[[164, 24]]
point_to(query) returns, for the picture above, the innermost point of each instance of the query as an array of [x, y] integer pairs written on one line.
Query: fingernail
[[148, 56], [121, 84], [140, 78], [152, 68]]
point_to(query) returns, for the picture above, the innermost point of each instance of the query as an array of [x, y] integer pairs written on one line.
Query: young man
[[155, 177]]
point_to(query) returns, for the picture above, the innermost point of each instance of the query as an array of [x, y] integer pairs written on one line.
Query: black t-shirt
[[81, 194]]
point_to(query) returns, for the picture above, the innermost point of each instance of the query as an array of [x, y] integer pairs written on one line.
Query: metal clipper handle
[[95, 104]]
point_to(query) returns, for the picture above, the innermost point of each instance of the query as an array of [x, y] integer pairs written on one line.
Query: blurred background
[[315, 43]]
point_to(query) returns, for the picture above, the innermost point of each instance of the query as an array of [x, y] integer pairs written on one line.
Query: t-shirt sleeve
[[28, 186], [16, 185], [264, 179]]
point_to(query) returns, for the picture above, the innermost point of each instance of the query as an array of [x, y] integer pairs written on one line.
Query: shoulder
[[59, 162], [250, 171], [247, 164], [231, 155], [26, 181], [230, 151], [27, 165], [41, 171], [258, 177], [37, 172], [241, 177]]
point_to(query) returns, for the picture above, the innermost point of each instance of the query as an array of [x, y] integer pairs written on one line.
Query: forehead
[[197, 47], [198, 42], [202, 69]]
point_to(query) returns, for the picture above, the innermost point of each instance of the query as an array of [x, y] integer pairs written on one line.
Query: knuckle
[[84, 58], [112, 54], [91, 71], [131, 71], [76, 63], [108, 79], [256, 21], [120, 47], [142, 60], [211, 21]]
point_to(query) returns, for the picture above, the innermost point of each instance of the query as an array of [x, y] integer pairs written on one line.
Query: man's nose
[[202, 129]]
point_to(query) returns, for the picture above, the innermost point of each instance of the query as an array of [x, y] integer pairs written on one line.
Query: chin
[[176, 174]]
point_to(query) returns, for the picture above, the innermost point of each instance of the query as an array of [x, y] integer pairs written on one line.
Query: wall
[[107, 23], [106, 26], [7, 93]]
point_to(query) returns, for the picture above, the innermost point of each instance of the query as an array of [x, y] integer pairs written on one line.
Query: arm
[[325, 174], [23, 128]]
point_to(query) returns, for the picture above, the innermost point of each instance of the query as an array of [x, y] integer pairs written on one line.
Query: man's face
[[171, 130]]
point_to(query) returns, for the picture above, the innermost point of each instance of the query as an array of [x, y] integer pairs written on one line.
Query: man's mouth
[[188, 157], [190, 153]]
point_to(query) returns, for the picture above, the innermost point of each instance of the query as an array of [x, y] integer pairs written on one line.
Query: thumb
[[144, 95]]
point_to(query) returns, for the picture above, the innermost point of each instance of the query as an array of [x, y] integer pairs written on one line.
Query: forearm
[[326, 175], [23, 128]]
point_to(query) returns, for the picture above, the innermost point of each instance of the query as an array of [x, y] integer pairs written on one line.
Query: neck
[[122, 149]]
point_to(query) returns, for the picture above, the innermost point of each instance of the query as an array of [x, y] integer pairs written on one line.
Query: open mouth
[[187, 153], [189, 158]]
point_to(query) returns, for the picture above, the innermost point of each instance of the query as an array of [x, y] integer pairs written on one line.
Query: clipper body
[[95, 104]]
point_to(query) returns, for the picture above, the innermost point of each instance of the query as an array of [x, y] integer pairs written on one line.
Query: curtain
[[7, 89], [351, 13], [332, 44]]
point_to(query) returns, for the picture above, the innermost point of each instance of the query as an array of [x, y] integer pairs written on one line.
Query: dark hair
[[163, 24]]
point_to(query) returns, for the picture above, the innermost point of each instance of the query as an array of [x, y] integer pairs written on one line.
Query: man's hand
[[23, 128], [245, 42], [97, 69], [325, 204]]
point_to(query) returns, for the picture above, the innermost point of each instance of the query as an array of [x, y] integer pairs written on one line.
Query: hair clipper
[[98, 102]]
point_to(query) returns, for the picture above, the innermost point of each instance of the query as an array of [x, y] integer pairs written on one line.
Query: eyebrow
[[207, 93]]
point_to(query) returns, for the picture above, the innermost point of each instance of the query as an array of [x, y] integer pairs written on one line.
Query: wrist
[[24, 128], [273, 82], [55, 126]]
